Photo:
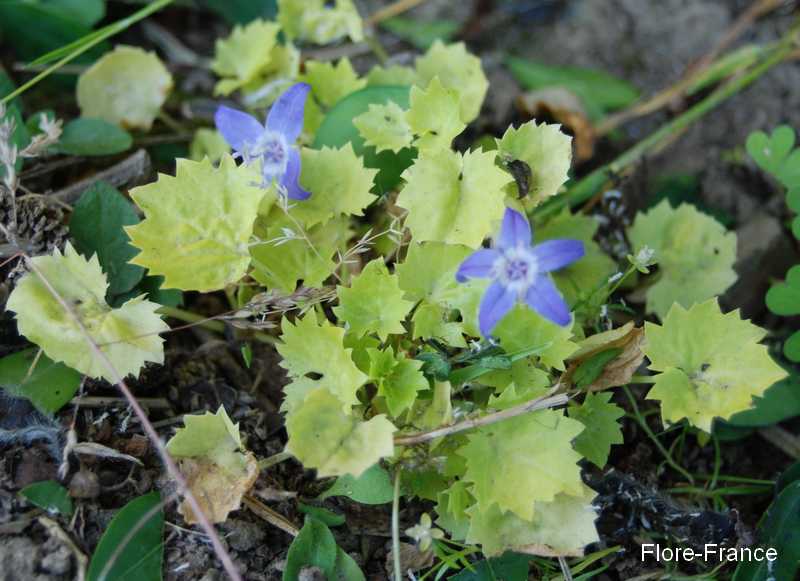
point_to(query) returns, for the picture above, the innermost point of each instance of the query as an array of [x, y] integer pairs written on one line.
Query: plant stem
[[539, 403], [643, 423], [273, 460], [643, 379], [92, 40], [592, 183], [398, 568], [209, 323]]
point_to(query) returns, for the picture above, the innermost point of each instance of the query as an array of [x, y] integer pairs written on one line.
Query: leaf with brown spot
[[619, 370]]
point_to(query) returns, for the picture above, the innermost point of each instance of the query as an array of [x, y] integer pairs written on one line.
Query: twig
[[102, 402], [787, 442], [273, 460], [539, 403], [398, 567], [565, 571], [81, 560], [172, 468], [392, 10], [129, 170], [272, 517]]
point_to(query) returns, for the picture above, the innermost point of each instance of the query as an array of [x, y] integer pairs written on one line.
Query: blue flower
[[519, 272], [273, 144]]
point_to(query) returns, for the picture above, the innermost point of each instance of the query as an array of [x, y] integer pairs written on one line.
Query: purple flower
[[271, 143], [519, 272]]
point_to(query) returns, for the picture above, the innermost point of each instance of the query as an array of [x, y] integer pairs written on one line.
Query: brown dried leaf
[[218, 490], [619, 370]]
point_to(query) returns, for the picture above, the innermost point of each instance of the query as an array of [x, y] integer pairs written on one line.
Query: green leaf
[[695, 255], [787, 477], [458, 70], [327, 517], [339, 182], [522, 460], [125, 554], [710, 363], [398, 379], [240, 57], [373, 303], [320, 21], [373, 487], [126, 87], [337, 129], [331, 83], [49, 385], [345, 568], [86, 136], [434, 116], [775, 153], [324, 437], [384, 127], [421, 34], [96, 227], [303, 342], [429, 270], [243, 11], [454, 198], [36, 28], [545, 149], [593, 366], [197, 224], [780, 402], [508, 567], [599, 416], [49, 495], [313, 547], [523, 329], [777, 530], [128, 336], [783, 299], [599, 91], [87, 12], [211, 436]]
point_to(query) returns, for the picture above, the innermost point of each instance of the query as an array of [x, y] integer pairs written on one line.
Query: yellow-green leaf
[[434, 116], [329, 82], [384, 127], [240, 57]]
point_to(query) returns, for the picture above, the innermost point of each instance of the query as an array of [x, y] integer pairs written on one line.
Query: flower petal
[[286, 115], [477, 265], [496, 302], [515, 230], [555, 254], [291, 179], [544, 298], [237, 127]]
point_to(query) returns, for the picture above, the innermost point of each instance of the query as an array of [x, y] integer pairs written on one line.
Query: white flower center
[[516, 269], [273, 151]]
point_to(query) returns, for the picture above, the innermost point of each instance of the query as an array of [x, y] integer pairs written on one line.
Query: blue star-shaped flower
[[519, 272], [272, 143]]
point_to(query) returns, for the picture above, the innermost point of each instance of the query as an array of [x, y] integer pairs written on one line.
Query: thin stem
[[643, 379], [273, 460], [97, 38], [148, 428], [392, 10], [643, 423], [210, 323], [539, 403], [592, 183], [398, 568], [717, 462]]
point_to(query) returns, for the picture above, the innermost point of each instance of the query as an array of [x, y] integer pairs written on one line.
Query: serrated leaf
[[50, 496], [304, 342], [330, 83], [545, 149], [373, 303], [87, 136], [434, 116], [132, 544], [319, 21], [373, 487], [531, 460], [384, 127], [339, 182], [561, 527], [579, 279], [240, 57], [454, 198], [599, 417], [197, 224], [282, 265], [710, 363], [97, 227], [397, 378], [523, 329], [429, 270], [337, 130], [47, 384], [695, 255], [129, 335], [208, 143], [126, 87], [216, 469], [432, 321], [398, 75], [324, 437], [458, 70]]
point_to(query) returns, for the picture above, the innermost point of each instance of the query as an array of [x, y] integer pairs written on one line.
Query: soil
[[648, 43]]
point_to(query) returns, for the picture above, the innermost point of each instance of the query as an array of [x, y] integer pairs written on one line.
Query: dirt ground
[[647, 42]]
